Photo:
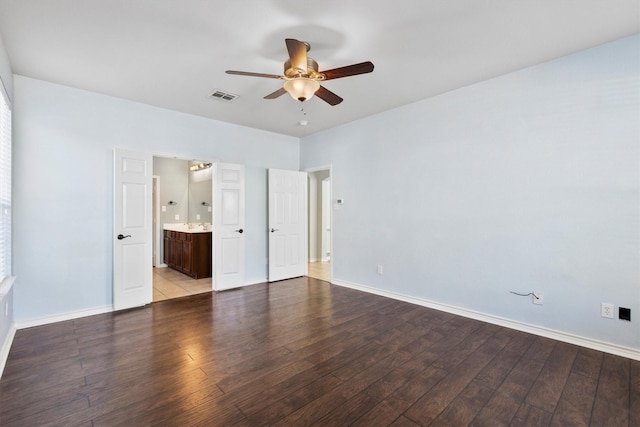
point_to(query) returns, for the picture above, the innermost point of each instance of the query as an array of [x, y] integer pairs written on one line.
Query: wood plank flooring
[[169, 283], [303, 352]]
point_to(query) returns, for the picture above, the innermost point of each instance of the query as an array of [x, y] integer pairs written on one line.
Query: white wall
[[63, 161], [529, 181]]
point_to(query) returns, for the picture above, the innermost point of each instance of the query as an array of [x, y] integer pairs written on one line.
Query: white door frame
[[157, 230], [330, 169], [325, 220]]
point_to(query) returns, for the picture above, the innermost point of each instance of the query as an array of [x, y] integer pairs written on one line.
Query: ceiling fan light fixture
[[302, 77], [301, 88]]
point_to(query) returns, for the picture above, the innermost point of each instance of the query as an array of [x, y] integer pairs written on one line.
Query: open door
[[228, 226], [132, 247], [287, 224]]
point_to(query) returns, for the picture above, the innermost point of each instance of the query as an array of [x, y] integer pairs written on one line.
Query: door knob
[[240, 231], [274, 229], [120, 236]]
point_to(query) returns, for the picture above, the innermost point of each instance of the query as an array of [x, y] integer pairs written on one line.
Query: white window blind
[[5, 188]]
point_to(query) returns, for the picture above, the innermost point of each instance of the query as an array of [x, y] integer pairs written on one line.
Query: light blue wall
[[6, 75], [63, 161], [529, 181]]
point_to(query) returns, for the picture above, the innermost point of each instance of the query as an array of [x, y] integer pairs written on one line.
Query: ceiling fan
[[302, 78]]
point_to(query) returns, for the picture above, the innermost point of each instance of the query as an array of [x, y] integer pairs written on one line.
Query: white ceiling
[[173, 54]]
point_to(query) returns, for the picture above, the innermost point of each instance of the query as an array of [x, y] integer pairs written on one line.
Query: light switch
[[177, 217], [209, 208], [164, 209], [197, 216]]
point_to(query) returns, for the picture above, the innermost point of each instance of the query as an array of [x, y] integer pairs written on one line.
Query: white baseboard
[[314, 259], [605, 347], [245, 284], [64, 316], [6, 346], [88, 312], [256, 282]]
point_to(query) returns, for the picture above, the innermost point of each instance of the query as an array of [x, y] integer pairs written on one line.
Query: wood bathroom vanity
[[188, 252]]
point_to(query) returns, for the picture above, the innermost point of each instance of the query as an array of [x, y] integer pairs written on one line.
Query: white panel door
[[287, 224], [228, 228], [132, 247]]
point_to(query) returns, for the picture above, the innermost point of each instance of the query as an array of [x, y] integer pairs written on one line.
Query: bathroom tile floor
[[320, 270], [169, 283]]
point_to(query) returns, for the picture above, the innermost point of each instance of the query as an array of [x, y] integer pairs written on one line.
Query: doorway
[[320, 223], [133, 257], [182, 196]]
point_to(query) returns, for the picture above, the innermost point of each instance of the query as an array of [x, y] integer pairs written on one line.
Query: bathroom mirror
[[185, 188], [200, 190]]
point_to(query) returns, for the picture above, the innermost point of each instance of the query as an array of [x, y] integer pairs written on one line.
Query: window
[[5, 188]]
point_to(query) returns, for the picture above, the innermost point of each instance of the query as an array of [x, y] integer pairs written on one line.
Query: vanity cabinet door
[[187, 252], [174, 253], [168, 256], [201, 255], [178, 251], [165, 250]]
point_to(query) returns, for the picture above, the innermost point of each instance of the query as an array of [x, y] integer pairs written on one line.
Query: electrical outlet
[[380, 270], [537, 298], [606, 310], [624, 313]]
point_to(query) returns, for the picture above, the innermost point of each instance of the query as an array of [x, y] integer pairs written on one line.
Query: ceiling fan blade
[[327, 96], [246, 73], [276, 94], [297, 54], [349, 70]]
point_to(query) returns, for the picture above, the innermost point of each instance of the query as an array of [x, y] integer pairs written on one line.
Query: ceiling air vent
[[223, 96]]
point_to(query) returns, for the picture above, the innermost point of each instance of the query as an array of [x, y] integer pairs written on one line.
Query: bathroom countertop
[[188, 228]]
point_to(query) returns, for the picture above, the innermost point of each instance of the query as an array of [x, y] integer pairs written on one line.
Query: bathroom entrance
[[182, 227], [188, 195], [138, 217]]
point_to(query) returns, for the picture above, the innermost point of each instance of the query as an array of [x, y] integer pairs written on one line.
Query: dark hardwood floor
[[303, 352]]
